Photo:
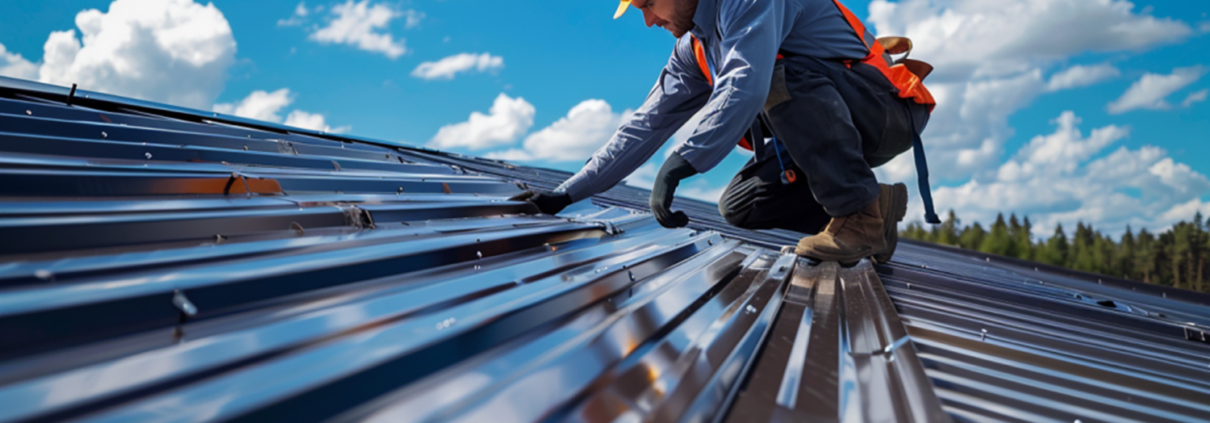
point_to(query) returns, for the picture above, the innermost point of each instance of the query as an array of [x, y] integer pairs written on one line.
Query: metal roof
[[165, 264]]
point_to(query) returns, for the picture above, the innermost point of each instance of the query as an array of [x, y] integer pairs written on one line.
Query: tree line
[[1176, 257]]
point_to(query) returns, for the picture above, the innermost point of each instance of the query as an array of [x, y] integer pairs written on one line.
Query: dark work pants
[[836, 124]]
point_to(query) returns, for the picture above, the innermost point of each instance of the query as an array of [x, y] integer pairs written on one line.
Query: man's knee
[[734, 212]]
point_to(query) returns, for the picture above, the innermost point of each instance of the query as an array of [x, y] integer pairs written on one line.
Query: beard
[[682, 19]]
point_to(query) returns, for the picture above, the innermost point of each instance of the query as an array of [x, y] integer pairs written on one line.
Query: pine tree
[[972, 237], [1057, 248], [1145, 256], [947, 232], [997, 241], [1125, 255], [1082, 255]]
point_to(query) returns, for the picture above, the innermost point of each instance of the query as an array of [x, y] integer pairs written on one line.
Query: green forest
[[1176, 257]]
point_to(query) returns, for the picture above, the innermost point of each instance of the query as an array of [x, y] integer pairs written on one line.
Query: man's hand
[[549, 203], [674, 170]]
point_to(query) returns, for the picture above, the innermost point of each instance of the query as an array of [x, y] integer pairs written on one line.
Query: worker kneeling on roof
[[804, 85]]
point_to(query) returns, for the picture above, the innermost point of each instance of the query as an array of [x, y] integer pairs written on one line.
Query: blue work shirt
[[742, 39]]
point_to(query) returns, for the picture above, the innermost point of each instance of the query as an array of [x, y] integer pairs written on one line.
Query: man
[[808, 88]]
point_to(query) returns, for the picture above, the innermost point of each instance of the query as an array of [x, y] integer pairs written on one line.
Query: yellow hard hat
[[621, 9]]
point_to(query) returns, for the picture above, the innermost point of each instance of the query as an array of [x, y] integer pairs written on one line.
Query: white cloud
[[1150, 91], [261, 105], [1081, 76], [990, 57], [412, 18], [14, 66], [171, 51], [359, 25], [464, 62], [587, 127], [299, 16], [1058, 178], [508, 119], [1195, 97], [312, 121]]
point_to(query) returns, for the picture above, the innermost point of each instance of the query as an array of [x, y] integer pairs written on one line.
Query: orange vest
[[909, 84]]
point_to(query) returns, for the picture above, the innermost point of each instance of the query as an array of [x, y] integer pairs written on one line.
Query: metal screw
[[479, 254], [983, 335], [182, 303], [44, 274], [750, 309], [399, 191], [148, 155], [446, 323], [29, 113], [631, 276], [909, 286], [104, 135], [245, 148]]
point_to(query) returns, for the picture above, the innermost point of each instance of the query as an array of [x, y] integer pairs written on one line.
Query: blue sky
[[995, 60]]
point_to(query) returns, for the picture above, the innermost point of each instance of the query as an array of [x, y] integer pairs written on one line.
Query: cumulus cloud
[[312, 121], [259, 105], [171, 51], [1151, 91], [1064, 177], [362, 25], [587, 127], [412, 18], [262, 105], [459, 63], [299, 16], [990, 57], [14, 66], [1081, 76], [1196, 97], [508, 119]]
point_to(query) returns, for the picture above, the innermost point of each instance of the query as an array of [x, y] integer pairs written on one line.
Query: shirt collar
[[704, 19]]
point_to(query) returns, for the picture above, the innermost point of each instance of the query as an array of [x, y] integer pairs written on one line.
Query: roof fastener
[[219, 238], [29, 113], [479, 254], [148, 155], [182, 303], [72, 94], [750, 309], [104, 135], [983, 335], [631, 276], [44, 274], [297, 227]]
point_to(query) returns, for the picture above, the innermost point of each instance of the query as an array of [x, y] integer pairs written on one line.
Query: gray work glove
[[549, 203], [675, 169]]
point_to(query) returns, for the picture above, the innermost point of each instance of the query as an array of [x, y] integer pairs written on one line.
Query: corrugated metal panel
[[163, 264]]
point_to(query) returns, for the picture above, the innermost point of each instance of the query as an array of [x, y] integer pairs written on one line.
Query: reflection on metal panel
[[164, 264]]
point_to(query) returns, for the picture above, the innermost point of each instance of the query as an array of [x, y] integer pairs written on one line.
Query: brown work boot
[[892, 203], [847, 239]]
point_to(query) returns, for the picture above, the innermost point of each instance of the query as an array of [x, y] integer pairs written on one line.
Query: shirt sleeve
[[750, 36], [680, 92]]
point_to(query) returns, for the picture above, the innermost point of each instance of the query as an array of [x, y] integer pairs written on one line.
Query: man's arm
[[751, 36], [679, 93]]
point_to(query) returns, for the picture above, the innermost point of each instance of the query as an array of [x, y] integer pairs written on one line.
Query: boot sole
[[893, 205]]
